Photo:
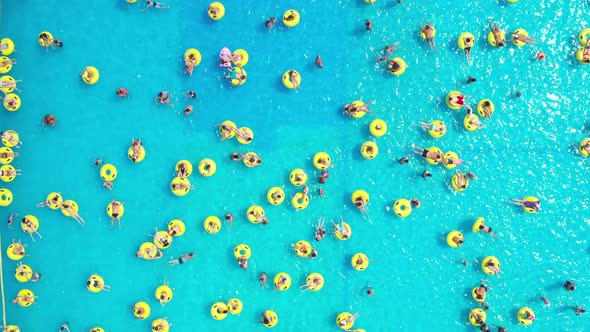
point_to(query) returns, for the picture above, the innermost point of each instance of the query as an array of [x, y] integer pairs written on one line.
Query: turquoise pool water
[[529, 147]]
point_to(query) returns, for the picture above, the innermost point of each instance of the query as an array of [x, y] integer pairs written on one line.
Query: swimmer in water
[[58, 43], [471, 80], [484, 228], [579, 310], [416, 203], [432, 127], [318, 61], [471, 175], [49, 120], [188, 110], [321, 192], [500, 40], [190, 94], [324, 176], [122, 92], [230, 219], [369, 26], [65, 327], [116, 208], [270, 23], [370, 290], [243, 262], [11, 219], [262, 280], [404, 160], [464, 261], [426, 174], [107, 184], [180, 260], [98, 161], [544, 299], [535, 206], [164, 98], [568, 286], [320, 231], [428, 31], [389, 49], [159, 5]]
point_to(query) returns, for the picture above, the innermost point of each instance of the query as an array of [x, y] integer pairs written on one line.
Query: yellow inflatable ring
[[92, 280], [4, 150], [480, 108], [447, 156], [14, 138], [12, 255], [520, 32], [240, 57], [274, 319], [378, 128], [207, 167], [512, 1], [148, 251], [299, 201], [238, 72], [17, 102], [166, 240], [248, 132], [322, 160], [9, 169], [402, 208], [580, 56], [255, 214], [160, 325], [478, 223], [485, 262], [359, 194], [164, 294], [131, 1], [9, 46], [357, 104], [187, 165], [71, 204], [12, 328], [235, 306], [309, 281], [291, 18], [298, 177], [23, 273], [180, 191], [108, 172], [90, 75], [284, 286], [363, 265], [474, 294], [455, 235], [8, 67], [9, 79], [212, 224], [141, 310], [192, 52], [402, 67], [461, 42], [140, 157], [176, 223], [22, 295], [220, 12], [302, 253], [531, 199], [369, 150], [34, 221], [110, 209], [226, 132], [423, 35], [344, 316], [242, 251], [251, 159], [275, 195], [454, 183], [521, 316], [492, 39], [45, 42], [453, 106], [583, 36], [581, 147], [473, 319], [287, 81], [5, 197], [430, 160], [348, 229]]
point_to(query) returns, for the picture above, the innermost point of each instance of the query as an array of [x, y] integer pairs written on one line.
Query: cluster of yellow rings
[[33, 221], [369, 150], [147, 250], [477, 225], [338, 233], [23, 295], [166, 240], [23, 273], [531, 199], [193, 56], [242, 251], [473, 316], [5, 197], [108, 172], [92, 280], [322, 160], [140, 156], [291, 18], [298, 177], [277, 280], [402, 66], [207, 167], [364, 261], [274, 319], [160, 325], [453, 239], [456, 186], [452, 105], [235, 306], [12, 253], [303, 248], [164, 294], [520, 32], [402, 207], [255, 214], [8, 79], [344, 316], [90, 75], [141, 310], [489, 259], [287, 79], [4, 150], [461, 40], [314, 286], [176, 227], [492, 39], [72, 204], [378, 128], [8, 169], [240, 57], [300, 201], [180, 181], [9, 46], [216, 11], [581, 147], [212, 224], [522, 313], [275, 195], [45, 42], [480, 108], [110, 209], [16, 102], [238, 71]]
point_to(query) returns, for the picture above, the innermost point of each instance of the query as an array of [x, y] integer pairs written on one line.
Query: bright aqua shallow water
[[529, 147]]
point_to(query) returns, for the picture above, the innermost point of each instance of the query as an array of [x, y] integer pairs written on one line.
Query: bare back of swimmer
[[180, 260]]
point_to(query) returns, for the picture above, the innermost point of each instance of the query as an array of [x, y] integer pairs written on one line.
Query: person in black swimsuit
[[154, 4], [181, 259]]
